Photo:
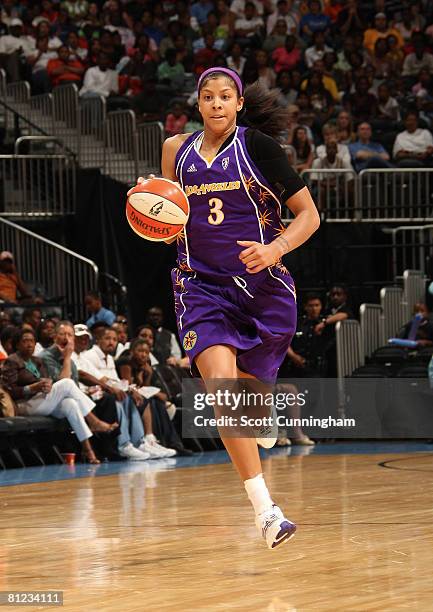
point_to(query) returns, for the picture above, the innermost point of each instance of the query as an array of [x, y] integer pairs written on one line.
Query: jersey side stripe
[[238, 143]]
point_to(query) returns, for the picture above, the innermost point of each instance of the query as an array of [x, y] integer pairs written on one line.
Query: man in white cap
[[12, 288], [13, 46]]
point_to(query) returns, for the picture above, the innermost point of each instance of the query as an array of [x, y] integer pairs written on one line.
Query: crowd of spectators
[[93, 375], [353, 73]]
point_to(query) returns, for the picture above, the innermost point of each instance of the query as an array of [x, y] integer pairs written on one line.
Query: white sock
[[258, 494]]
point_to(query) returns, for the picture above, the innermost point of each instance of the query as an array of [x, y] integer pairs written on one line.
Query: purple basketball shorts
[[254, 313]]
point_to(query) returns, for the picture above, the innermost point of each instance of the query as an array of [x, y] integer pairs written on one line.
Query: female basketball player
[[235, 301]]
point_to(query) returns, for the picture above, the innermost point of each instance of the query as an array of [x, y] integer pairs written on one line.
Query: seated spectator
[[306, 114], [336, 187], [122, 338], [284, 12], [318, 50], [32, 317], [176, 120], [345, 131], [167, 349], [13, 48], [286, 57], [200, 10], [349, 19], [171, 74], [337, 309], [237, 7], [38, 61], [320, 98], [36, 392], [413, 148], [225, 19], [45, 335], [104, 81], [380, 30], [101, 357], [7, 336], [44, 29], [93, 303], [12, 288], [303, 148], [146, 333], [327, 81], [152, 26], [64, 69], [49, 12], [361, 104], [205, 58], [277, 37], [248, 29], [388, 110], [329, 132], [332, 159], [266, 75], [380, 60], [420, 328], [314, 21], [136, 369], [76, 51], [306, 353], [236, 61], [419, 59], [368, 154], [395, 55], [407, 25], [5, 319], [286, 94]]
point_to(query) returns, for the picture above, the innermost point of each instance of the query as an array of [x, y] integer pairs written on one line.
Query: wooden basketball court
[[157, 538]]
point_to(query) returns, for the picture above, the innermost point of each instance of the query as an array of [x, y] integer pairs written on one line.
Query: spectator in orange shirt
[[12, 288], [380, 30], [64, 69]]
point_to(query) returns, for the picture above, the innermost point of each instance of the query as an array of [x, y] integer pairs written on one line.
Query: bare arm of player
[[259, 256], [168, 161]]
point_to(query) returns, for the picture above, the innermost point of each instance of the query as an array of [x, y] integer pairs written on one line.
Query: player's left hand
[[259, 256]]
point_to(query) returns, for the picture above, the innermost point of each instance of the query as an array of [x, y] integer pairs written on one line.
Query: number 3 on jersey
[[216, 214]]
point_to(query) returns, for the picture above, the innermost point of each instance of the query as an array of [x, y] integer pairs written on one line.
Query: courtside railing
[[411, 245], [64, 275], [37, 185], [370, 318], [386, 194]]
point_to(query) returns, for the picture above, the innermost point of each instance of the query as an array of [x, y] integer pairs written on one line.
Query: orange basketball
[[157, 209]]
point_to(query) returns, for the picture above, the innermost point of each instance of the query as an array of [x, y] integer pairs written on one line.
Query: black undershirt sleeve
[[273, 164]]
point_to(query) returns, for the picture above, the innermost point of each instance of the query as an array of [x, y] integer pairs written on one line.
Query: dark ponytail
[[262, 111]]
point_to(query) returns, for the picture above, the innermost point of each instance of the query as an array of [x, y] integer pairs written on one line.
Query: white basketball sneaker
[[267, 435], [155, 450], [133, 454], [274, 527]]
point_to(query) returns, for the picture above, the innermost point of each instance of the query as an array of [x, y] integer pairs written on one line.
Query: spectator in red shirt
[[287, 57], [64, 69]]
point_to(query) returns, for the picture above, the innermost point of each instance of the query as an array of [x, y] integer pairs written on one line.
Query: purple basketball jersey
[[229, 200]]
